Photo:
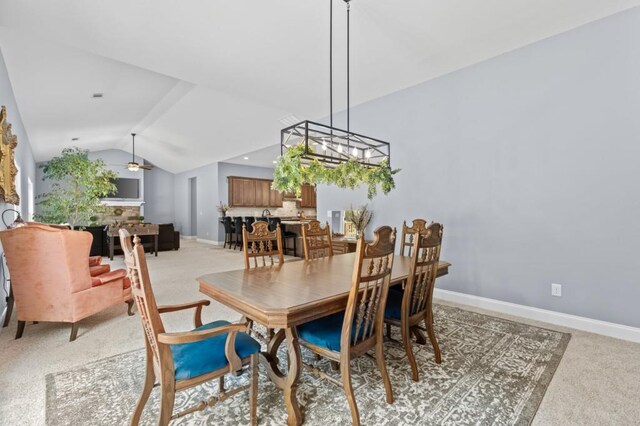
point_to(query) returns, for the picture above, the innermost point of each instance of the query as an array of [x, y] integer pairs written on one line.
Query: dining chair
[[228, 231], [408, 309], [259, 244], [408, 235], [350, 334], [316, 240], [238, 225], [181, 360]]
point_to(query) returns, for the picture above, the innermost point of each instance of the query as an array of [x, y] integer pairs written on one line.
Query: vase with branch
[[223, 209], [360, 218]]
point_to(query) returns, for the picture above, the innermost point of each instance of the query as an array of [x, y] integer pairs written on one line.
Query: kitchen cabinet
[[308, 196], [263, 189], [343, 245], [242, 192], [275, 197], [250, 192]]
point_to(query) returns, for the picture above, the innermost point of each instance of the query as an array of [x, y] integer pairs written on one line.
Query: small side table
[[139, 230]]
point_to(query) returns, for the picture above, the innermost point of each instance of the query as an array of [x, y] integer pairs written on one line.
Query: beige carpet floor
[[597, 382]]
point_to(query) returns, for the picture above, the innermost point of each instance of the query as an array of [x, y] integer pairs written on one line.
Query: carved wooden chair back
[[370, 285], [317, 240], [418, 294], [409, 233], [262, 244], [142, 293]]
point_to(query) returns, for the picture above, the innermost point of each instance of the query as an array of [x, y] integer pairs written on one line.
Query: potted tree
[[78, 185]]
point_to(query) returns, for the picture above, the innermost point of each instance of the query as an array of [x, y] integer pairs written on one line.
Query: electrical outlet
[[556, 290]]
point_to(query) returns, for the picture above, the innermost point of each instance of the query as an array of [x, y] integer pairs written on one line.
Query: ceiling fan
[[132, 165]]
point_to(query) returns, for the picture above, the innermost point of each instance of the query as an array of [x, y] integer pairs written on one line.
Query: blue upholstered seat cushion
[[393, 309], [197, 358], [326, 332]]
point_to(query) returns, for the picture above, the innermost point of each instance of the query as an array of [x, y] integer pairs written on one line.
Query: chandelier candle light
[[316, 153]]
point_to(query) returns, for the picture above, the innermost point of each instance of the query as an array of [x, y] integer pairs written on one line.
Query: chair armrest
[[197, 316], [95, 260], [108, 277], [235, 363]]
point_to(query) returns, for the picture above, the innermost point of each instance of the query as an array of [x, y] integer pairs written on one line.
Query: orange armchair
[[52, 280]]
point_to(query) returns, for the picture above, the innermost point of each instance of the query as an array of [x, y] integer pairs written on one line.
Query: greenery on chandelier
[[78, 185], [290, 174]]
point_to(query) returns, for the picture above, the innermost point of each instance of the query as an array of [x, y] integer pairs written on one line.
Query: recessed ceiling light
[[97, 95], [246, 158], [75, 139]]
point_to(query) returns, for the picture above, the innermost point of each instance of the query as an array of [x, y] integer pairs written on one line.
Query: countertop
[[288, 220]]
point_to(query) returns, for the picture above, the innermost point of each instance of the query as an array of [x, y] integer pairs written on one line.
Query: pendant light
[[343, 145]]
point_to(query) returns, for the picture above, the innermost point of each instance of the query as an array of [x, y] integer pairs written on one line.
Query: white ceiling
[[263, 157], [204, 81]]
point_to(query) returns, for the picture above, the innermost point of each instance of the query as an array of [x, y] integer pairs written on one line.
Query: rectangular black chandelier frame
[[333, 146]]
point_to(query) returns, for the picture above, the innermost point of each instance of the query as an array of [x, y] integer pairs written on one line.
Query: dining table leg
[[288, 381]]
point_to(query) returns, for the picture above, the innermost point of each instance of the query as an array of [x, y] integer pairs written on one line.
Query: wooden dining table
[[284, 296]]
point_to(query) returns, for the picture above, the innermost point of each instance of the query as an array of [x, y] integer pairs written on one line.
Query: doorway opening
[[193, 206]]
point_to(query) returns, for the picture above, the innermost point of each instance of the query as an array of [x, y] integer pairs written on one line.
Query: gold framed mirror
[[8, 169]]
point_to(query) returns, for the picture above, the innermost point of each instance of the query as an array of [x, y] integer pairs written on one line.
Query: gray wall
[[23, 156], [159, 196], [156, 185], [530, 160], [207, 201], [115, 160], [212, 189]]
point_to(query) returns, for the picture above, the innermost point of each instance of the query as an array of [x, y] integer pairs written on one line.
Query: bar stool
[[273, 223], [238, 222], [249, 220], [228, 231]]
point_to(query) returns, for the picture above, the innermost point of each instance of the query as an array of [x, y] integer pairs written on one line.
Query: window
[[30, 201]]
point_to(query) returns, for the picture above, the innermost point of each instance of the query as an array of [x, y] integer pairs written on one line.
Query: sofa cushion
[[198, 358]]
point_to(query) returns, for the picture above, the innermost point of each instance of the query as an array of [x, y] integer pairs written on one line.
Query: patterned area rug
[[494, 371]]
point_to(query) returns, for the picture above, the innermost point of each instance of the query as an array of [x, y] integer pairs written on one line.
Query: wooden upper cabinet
[[247, 192], [242, 192], [235, 192], [308, 196], [263, 188], [275, 197]]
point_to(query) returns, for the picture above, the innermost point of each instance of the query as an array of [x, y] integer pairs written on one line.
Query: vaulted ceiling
[[205, 81]]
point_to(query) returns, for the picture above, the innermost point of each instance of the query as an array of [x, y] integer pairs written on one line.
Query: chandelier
[[328, 144]]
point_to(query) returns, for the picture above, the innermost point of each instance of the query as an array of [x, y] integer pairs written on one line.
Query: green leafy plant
[[78, 185], [290, 174], [360, 218]]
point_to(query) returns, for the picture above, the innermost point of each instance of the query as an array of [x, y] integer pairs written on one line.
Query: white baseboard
[[605, 328], [212, 242]]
